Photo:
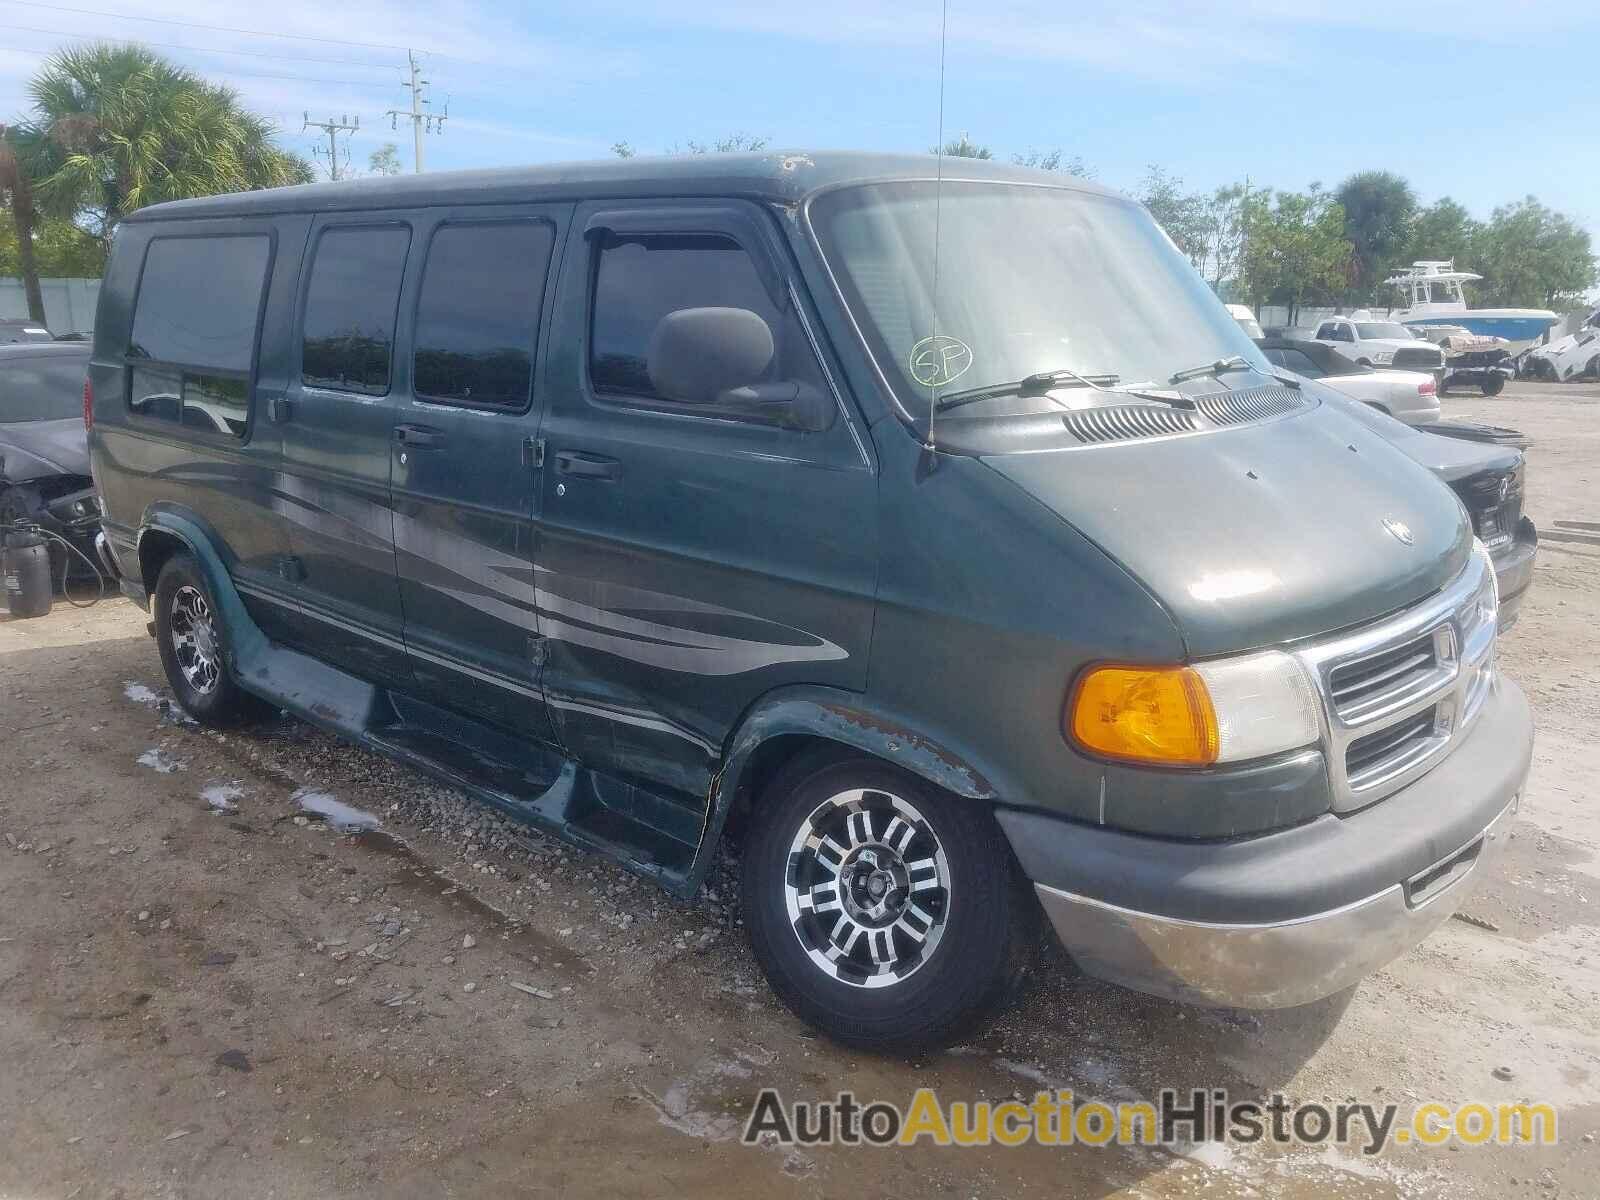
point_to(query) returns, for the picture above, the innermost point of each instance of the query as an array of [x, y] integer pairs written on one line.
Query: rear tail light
[[88, 404], [1427, 389]]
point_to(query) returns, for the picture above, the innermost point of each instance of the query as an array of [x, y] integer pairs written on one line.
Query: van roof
[[784, 176]]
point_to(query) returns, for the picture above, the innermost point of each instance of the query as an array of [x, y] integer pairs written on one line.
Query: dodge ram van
[[944, 541]]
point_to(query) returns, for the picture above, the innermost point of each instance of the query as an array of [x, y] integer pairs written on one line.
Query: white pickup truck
[[1374, 343]]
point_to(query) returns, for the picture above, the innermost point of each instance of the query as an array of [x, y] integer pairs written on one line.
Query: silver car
[[1409, 396]]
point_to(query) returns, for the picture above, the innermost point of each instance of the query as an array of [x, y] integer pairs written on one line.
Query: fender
[[245, 639], [849, 719]]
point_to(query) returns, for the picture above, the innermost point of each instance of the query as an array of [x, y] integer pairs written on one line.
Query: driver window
[[641, 279]]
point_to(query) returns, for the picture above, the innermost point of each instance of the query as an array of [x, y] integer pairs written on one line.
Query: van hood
[[39, 449], [1260, 534]]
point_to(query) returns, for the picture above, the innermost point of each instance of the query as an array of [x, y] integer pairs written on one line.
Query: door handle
[[418, 436], [282, 410], [587, 466]]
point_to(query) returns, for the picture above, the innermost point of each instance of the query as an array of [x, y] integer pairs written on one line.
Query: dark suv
[[969, 578]]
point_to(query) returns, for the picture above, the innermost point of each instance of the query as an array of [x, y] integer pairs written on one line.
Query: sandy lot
[[205, 991]]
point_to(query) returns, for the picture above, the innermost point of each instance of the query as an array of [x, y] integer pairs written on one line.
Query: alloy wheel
[[867, 888], [194, 639]]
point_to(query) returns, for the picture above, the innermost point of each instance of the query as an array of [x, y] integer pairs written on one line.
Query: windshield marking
[[939, 360]]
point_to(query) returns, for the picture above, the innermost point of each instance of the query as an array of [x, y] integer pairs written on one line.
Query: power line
[[263, 74], [97, 37], [298, 37]]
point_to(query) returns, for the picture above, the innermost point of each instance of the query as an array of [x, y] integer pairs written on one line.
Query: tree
[[61, 250], [126, 128], [385, 160], [730, 144], [1378, 209], [1295, 248], [1182, 214], [622, 149], [1054, 160], [1443, 230], [1531, 256], [1226, 213], [962, 147], [21, 151]]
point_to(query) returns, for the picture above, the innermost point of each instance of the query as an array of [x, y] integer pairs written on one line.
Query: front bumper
[[1289, 917], [1513, 570]]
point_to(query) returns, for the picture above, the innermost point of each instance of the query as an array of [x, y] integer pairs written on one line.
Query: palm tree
[[127, 128], [22, 151]]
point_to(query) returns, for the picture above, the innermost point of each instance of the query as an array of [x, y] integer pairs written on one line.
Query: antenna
[[938, 195]]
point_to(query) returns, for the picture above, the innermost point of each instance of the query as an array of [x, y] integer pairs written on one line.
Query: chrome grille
[[1393, 748], [1391, 676], [1398, 693], [1494, 499]]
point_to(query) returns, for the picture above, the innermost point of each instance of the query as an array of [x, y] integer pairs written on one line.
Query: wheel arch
[[794, 721], [168, 531]]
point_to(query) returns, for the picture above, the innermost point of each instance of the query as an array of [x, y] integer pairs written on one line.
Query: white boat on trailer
[[1434, 291]]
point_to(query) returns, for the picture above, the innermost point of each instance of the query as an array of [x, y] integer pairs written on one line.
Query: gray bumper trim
[[1276, 965]]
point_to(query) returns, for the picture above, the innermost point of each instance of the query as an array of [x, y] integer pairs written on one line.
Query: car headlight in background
[[1383, 356], [1223, 711]]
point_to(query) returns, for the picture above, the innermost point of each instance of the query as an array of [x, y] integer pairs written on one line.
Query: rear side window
[[194, 330], [478, 312], [348, 328], [43, 388], [1297, 361], [641, 279]]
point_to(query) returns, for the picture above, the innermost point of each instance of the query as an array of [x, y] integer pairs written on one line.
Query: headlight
[[1223, 711], [1383, 356]]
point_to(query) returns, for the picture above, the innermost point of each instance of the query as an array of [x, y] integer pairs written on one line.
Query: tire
[[923, 858], [1493, 384], [193, 645]]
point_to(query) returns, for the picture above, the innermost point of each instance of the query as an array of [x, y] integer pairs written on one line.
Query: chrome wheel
[[867, 888], [194, 639]]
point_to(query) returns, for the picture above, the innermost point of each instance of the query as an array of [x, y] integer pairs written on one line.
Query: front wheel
[[192, 641], [1493, 384], [884, 911]]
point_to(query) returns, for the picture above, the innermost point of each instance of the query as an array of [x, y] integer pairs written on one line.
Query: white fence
[[68, 303]]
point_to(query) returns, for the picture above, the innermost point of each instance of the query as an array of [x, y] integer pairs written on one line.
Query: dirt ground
[[207, 991]]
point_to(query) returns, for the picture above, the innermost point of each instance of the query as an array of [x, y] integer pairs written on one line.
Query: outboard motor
[[25, 565]]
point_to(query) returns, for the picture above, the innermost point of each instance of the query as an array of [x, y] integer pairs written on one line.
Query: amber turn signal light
[[1156, 715]]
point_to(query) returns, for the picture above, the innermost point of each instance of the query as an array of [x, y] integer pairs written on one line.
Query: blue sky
[[1482, 101]]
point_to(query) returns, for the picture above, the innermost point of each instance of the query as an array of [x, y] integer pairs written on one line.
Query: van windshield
[[1031, 280]]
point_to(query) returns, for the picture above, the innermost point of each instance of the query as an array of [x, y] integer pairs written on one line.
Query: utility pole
[[421, 121], [333, 129]]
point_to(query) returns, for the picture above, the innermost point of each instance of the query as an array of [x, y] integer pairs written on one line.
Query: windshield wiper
[[1039, 384], [1234, 362]]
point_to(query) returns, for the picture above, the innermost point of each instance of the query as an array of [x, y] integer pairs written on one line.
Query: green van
[[944, 540]]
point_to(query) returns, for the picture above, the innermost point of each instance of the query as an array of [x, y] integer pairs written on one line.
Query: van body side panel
[[464, 496], [718, 560], [231, 483], [335, 485]]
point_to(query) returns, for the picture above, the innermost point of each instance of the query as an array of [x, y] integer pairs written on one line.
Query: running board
[[649, 834]]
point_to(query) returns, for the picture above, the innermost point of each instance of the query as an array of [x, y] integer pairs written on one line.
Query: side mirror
[[718, 356], [789, 403], [697, 354]]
